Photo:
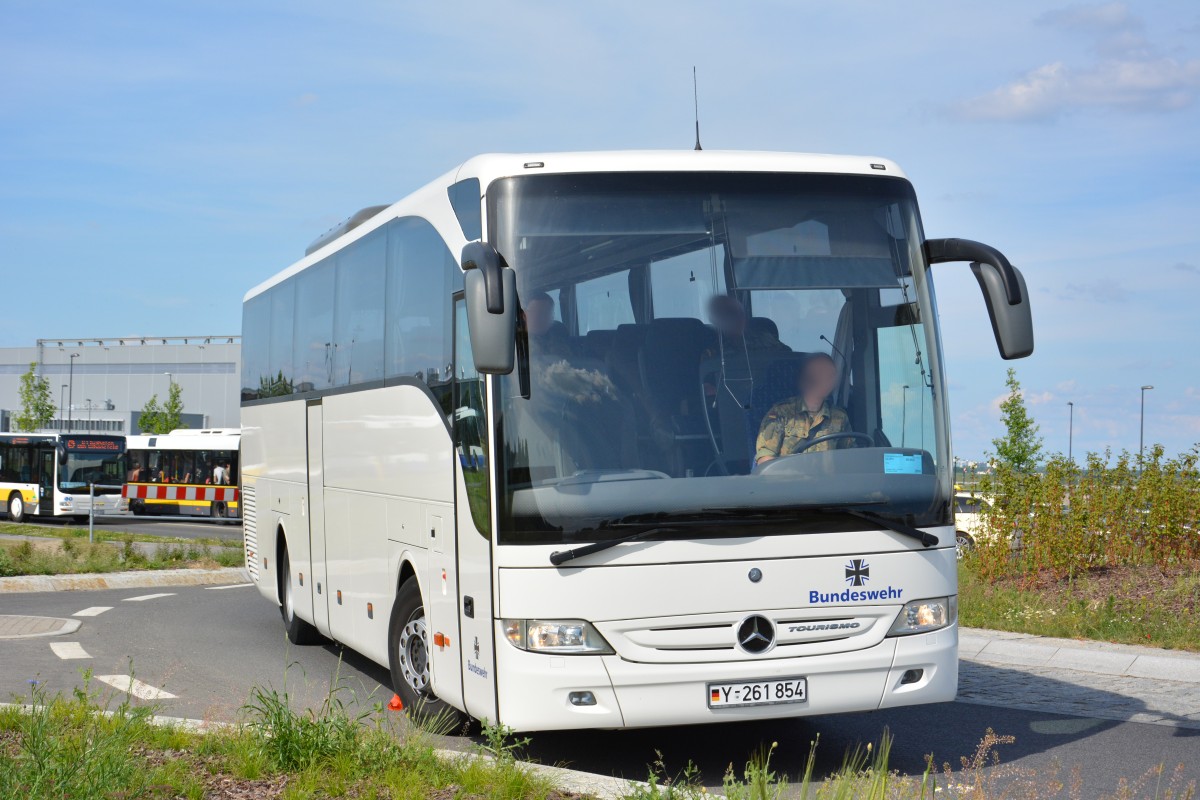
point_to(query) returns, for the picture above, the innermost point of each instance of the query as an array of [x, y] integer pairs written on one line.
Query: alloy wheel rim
[[14, 507], [414, 654]]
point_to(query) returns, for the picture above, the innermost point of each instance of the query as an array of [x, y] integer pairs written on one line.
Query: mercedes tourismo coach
[[49, 474], [512, 438]]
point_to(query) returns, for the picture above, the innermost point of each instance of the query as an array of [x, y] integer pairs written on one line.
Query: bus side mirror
[[491, 295], [61, 450], [1003, 287]]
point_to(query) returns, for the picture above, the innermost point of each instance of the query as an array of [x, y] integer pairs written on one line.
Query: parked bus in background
[[185, 472], [48, 474], [611, 440]]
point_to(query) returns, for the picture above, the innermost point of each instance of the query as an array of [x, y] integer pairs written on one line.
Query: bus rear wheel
[[217, 510], [16, 507], [298, 631], [409, 656]]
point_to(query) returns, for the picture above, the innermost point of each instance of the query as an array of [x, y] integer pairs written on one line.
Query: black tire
[[137, 507], [298, 631], [16, 507], [217, 509], [408, 656]]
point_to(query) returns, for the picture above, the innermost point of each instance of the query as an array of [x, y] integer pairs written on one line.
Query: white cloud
[[1155, 85], [1129, 74]]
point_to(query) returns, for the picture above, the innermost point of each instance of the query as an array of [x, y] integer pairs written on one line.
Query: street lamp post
[[62, 396], [1071, 432], [1142, 427], [71, 392], [904, 416], [89, 402]]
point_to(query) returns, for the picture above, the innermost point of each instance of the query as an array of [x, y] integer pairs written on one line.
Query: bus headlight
[[920, 616], [558, 636]]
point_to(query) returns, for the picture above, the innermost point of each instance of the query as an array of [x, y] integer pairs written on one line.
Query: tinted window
[[358, 320], [280, 373], [464, 198], [419, 282], [313, 362], [603, 303], [256, 346], [682, 285]]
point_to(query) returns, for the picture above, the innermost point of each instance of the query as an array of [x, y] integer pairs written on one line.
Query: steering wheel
[[829, 437]]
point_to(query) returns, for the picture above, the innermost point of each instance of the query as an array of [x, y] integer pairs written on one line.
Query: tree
[[37, 403], [1020, 449], [159, 419]]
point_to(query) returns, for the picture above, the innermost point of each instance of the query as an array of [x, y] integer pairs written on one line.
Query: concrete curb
[[1005, 648], [69, 626], [124, 580]]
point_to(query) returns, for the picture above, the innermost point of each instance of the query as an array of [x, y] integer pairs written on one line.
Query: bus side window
[[470, 422]]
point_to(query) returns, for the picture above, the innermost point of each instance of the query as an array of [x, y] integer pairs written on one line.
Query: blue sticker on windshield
[[901, 464]]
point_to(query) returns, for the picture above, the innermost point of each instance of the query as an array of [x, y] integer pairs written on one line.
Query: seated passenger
[[547, 336], [728, 317], [789, 425]]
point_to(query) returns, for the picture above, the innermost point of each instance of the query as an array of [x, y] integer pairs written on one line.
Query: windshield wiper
[[560, 557], [924, 537], [727, 516]]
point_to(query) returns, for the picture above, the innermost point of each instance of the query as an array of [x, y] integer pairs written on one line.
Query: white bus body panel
[[663, 663], [380, 463]]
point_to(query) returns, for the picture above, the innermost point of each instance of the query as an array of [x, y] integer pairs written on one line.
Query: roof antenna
[[696, 100]]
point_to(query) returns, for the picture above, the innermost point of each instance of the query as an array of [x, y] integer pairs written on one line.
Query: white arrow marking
[[231, 586], [68, 650], [93, 611], [142, 691], [148, 597]]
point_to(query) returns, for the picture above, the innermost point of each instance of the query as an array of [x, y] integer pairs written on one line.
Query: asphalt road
[[210, 646], [200, 528]]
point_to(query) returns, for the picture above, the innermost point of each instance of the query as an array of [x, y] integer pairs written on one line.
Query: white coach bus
[[608, 440]]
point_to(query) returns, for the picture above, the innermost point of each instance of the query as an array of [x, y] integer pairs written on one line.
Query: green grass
[[81, 746], [1143, 604], [70, 555], [102, 535]]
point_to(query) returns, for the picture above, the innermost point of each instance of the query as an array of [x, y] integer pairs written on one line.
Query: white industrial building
[[101, 385]]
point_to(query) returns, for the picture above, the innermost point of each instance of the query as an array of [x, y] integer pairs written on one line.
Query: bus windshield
[[716, 349], [102, 469]]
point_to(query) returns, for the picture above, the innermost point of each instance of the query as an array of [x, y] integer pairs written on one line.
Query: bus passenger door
[[316, 515], [45, 479], [473, 528]]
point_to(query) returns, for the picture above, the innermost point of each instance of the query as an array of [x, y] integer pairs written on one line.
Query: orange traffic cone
[[396, 704]]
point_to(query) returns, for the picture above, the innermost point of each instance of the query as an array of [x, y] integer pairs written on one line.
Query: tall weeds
[[1107, 512]]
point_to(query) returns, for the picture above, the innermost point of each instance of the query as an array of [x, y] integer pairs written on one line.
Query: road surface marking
[[68, 650], [148, 597], [93, 611], [142, 691], [231, 586]]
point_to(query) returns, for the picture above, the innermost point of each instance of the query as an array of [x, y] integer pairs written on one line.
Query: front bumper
[[632, 695]]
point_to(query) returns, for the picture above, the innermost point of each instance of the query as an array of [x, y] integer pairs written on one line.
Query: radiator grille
[[250, 530]]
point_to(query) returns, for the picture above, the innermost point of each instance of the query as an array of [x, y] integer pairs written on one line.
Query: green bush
[[1108, 512]]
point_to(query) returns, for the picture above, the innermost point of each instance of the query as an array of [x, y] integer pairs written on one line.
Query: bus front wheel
[[16, 508], [409, 656], [298, 631]]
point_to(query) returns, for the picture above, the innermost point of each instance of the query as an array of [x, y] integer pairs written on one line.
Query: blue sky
[[156, 160]]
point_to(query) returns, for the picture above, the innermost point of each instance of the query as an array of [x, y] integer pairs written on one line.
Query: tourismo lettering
[[855, 595]]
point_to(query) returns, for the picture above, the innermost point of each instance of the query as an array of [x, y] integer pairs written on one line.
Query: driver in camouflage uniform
[[789, 425]]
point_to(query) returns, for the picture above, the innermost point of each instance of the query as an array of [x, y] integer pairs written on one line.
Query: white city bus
[[499, 438], [48, 474], [185, 472]]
